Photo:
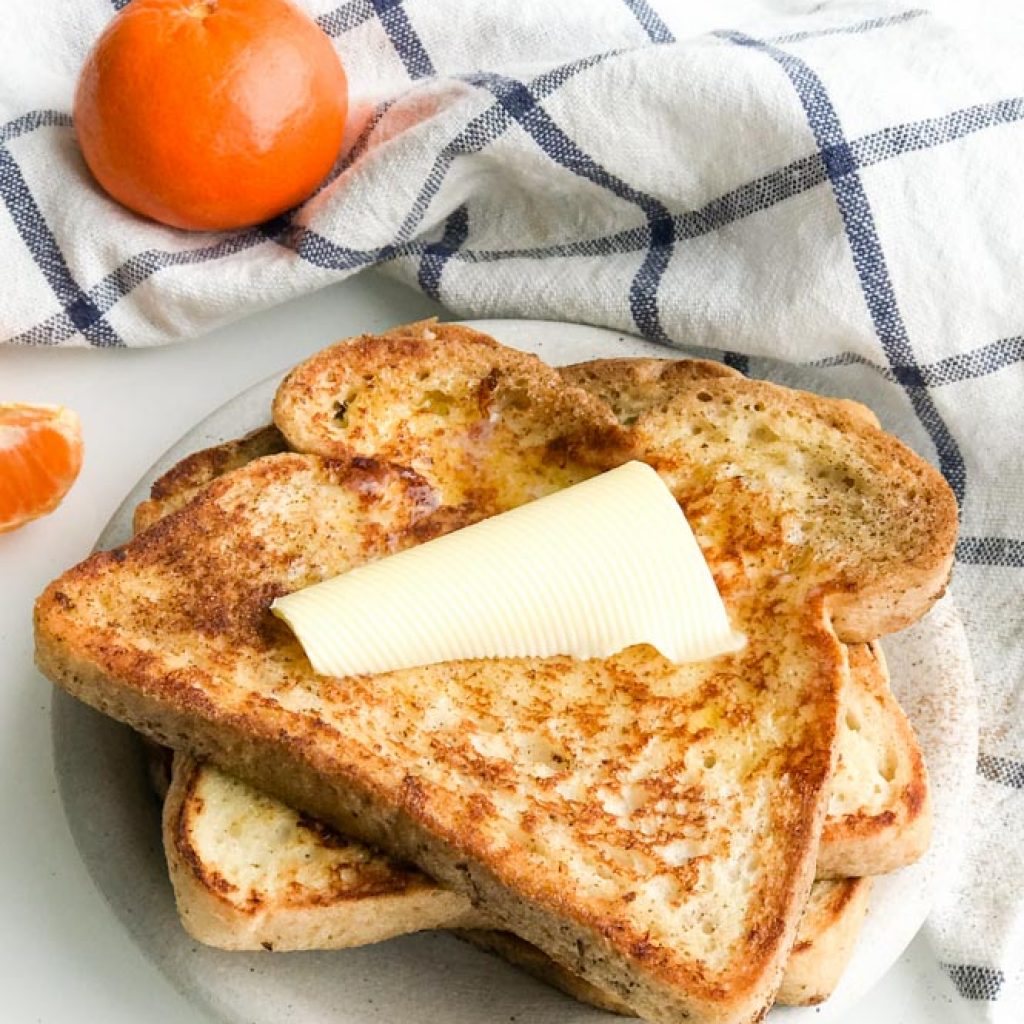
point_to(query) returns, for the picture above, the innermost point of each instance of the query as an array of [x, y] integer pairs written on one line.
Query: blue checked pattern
[[794, 195], [865, 246]]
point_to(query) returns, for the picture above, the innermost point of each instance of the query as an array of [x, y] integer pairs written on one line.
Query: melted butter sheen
[[587, 571]]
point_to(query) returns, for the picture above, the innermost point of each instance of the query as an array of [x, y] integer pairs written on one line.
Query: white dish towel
[[837, 184]]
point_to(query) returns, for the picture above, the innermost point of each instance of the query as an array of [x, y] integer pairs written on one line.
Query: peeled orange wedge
[[40, 456]]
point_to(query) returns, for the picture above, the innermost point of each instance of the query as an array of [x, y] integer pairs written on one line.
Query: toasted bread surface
[[878, 522], [879, 816], [824, 944], [272, 908], [633, 385], [610, 771], [880, 811], [630, 386], [356, 397], [828, 933], [249, 872], [487, 425], [183, 481]]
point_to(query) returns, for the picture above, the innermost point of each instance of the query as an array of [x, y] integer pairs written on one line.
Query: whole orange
[[211, 115]]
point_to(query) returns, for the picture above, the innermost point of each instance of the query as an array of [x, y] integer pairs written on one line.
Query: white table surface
[[64, 957]]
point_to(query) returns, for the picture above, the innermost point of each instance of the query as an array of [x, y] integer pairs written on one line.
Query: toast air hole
[[340, 414], [436, 402], [516, 399], [704, 396]]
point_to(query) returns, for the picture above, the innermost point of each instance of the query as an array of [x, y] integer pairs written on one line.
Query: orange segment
[[40, 456]]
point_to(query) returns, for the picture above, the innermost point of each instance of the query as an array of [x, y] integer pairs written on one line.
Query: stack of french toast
[[677, 842]]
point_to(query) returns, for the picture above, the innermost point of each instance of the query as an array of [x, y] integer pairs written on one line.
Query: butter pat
[[587, 571]]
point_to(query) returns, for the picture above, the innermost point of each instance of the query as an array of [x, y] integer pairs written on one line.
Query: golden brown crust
[[825, 941], [347, 897], [630, 386], [353, 877], [893, 830], [183, 481], [855, 410]]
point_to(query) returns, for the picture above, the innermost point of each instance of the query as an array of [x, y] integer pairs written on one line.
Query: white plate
[[115, 819]]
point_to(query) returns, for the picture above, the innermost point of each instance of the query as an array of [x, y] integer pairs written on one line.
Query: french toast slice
[[250, 873], [217, 705], [580, 853], [488, 426], [285, 881], [879, 816], [746, 440], [629, 386], [633, 385], [879, 812]]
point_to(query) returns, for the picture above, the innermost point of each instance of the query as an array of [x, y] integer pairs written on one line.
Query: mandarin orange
[[211, 114], [40, 456]]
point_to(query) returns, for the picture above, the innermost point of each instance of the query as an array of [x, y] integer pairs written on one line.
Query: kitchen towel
[[830, 184]]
